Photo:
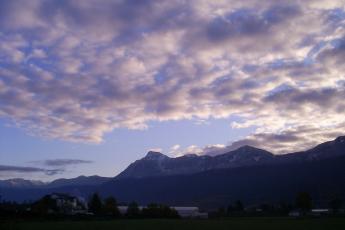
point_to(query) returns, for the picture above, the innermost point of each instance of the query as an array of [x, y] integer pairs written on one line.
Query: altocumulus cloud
[[74, 70], [49, 167], [23, 170], [65, 162]]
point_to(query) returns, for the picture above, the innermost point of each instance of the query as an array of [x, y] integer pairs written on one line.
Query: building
[[295, 213], [319, 212], [67, 204], [190, 212], [312, 212]]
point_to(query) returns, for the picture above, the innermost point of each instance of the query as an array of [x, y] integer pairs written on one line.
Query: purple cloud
[[23, 170], [75, 70], [65, 162]]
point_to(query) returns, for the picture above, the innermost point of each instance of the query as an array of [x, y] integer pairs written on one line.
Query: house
[[295, 213], [319, 212], [67, 204], [312, 212], [190, 212]]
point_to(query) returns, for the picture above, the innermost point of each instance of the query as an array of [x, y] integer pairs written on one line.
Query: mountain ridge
[[61, 182], [156, 164]]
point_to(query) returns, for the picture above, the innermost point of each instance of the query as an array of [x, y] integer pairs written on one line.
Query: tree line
[[109, 207], [303, 205], [96, 206]]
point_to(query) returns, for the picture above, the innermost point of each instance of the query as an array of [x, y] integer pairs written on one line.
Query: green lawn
[[230, 223]]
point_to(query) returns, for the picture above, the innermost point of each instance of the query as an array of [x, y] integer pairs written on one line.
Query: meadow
[[239, 223]]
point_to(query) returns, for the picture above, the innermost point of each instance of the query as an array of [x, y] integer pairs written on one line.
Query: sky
[[87, 87]]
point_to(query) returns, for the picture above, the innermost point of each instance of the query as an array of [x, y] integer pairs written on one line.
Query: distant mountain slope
[[323, 179], [21, 183], [156, 164], [258, 184], [325, 150], [78, 181]]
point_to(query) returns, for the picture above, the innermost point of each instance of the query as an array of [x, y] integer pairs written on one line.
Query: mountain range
[[157, 164], [251, 174], [78, 181]]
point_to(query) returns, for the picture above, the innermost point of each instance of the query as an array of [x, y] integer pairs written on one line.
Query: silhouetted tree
[[303, 202], [110, 207], [239, 206], [95, 204], [12, 209], [230, 209], [173, 213], [42, 206], [159, 211], [267, 208], [221, 212], [284, 208], [335, 204], [133, 210]]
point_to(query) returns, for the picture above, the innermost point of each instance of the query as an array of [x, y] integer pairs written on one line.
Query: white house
[[312, 212], [68, 204], [190, 212], [319, 211], [295, 213]]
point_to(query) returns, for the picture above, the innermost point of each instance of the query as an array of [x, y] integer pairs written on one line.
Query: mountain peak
[[154, 154], [190, 155], [246, 148], [246, 156]]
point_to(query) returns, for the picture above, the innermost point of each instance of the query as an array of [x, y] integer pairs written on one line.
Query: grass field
[[230, 223]]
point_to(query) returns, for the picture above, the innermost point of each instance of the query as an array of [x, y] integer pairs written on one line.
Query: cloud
[[75, 70], [50, 167], [292, 140], [210, 150], [24, 170], [249, 22], [175, 150], [65, 162]]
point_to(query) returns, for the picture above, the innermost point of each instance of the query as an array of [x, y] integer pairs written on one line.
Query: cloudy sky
[[86, 87]]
